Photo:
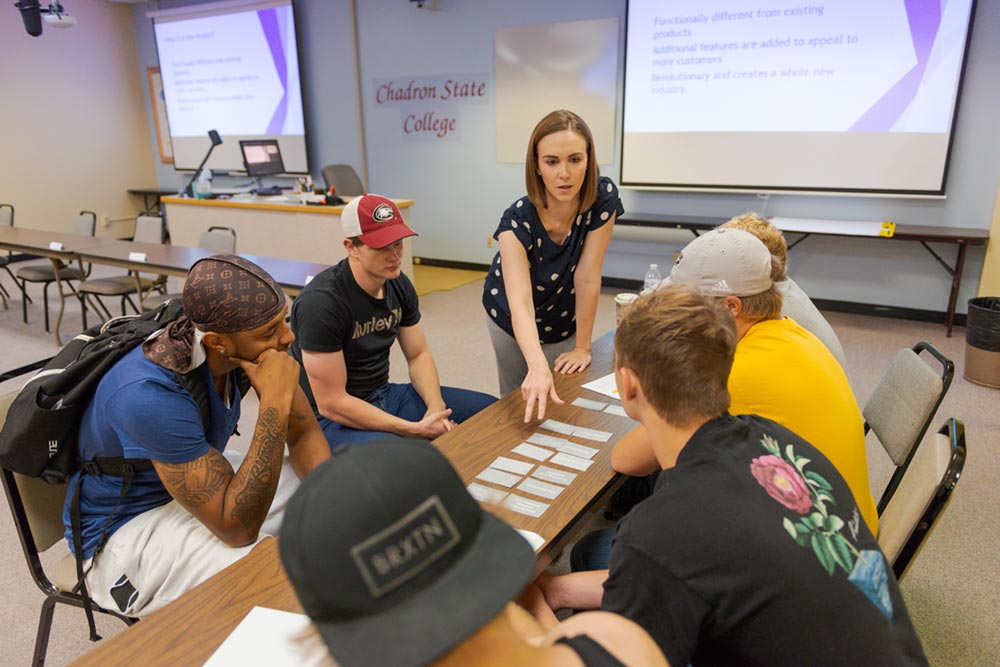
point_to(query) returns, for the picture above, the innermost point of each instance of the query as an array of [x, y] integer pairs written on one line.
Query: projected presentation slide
[[852, 94], [236, 72]]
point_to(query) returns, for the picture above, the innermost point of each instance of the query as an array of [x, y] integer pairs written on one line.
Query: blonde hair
[[680, 345], [770, 236], [557, 121]]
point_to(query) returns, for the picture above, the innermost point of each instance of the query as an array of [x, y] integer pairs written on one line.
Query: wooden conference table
[[958, 236], [171, 260], [189, 630]]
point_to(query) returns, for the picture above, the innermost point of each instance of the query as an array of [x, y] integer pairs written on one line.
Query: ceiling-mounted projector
[[31, 14]]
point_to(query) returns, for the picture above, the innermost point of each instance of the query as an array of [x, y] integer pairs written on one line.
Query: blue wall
[[460, 190]]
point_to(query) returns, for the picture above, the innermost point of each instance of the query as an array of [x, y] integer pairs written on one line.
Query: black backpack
[[40, 433]]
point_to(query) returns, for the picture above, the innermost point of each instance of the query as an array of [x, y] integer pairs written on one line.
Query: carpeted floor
[[952, 589], [427, 279]]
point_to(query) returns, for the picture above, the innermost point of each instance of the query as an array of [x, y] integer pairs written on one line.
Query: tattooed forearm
[[258, 476], [196, 482]]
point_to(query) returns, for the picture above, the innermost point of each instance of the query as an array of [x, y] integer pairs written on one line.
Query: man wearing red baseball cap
[[345, 322]]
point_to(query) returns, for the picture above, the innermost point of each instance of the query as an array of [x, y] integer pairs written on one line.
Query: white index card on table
[[539, 488], [532, 452], [512, 465], [558, 427], [616, 410], [524, 506], [137, 257], [578, 450], [499, 477], [55, 245], [571, 461], [605, 385], [554, 475], [592, 434], [486, 494], [271, 637], [547, 440], [589, 404]]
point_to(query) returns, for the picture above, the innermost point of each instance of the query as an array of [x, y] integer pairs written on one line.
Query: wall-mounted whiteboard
[[540, 68]]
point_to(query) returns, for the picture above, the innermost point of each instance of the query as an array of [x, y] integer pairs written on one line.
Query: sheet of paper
[[592, 434], [495, 476], [534, 539], [558, 427], [486, 494], [512, 465], [589, 404], [616, 410], [522, 505], [578, 450], [605, 385], [539, 488], [554, 475], [532, 452], [547, 440], [270, 637], [571, 461]]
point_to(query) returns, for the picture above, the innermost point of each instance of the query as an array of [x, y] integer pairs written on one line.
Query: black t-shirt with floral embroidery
[[751, 550], [552, 266]]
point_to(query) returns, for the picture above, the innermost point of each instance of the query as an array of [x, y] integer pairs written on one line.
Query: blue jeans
[[592, 551], [403, 401]]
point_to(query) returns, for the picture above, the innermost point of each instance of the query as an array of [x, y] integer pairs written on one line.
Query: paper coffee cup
[[623, 301]]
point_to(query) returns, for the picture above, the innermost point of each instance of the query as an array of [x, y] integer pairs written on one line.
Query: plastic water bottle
[[652, 278]]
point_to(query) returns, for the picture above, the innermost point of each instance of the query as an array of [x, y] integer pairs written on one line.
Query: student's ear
[[733, 305], [215, 342], [628, 383]]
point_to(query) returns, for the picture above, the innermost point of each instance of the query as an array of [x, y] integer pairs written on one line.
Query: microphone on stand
[[216, 140]]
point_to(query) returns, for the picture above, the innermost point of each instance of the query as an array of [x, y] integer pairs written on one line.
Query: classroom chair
[[84, 224], [343, 179], [904, 403], [922, 495], [218, 240], [37, 508]]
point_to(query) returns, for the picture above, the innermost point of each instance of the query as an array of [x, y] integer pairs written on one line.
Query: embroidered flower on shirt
[[785, 478]]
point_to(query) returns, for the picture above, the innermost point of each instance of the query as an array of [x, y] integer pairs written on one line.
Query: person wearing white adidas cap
[[345, 322], [780, 370]]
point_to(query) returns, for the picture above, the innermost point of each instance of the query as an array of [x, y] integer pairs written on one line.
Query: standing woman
[[542, 288]]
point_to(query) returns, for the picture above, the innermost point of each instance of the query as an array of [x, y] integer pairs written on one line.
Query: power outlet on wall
[[104, 220]]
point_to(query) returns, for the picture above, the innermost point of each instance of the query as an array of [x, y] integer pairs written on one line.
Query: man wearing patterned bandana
[[750, 550], [197, 510]]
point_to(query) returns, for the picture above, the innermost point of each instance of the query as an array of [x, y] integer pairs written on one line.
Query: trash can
[[982, 341]]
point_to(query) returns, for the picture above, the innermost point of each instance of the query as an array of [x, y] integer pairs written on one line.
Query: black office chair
[[37, 508], [85, 224], [343, 179]]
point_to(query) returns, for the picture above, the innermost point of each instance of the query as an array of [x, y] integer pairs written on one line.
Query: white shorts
[[163, 553]]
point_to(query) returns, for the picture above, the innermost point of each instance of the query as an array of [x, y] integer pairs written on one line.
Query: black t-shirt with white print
[[333, 313], [552, 266]]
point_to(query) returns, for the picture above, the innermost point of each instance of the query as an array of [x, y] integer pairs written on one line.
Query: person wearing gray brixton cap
[[411, 572], [192, 514]]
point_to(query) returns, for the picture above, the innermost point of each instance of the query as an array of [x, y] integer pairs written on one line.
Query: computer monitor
[[262, 157]]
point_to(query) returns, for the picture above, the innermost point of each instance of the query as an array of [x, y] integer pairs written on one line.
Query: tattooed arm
[[307, 446], [233, 505]]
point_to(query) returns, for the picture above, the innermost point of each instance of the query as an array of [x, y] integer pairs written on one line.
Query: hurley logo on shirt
[[377, 324], [407, 547]]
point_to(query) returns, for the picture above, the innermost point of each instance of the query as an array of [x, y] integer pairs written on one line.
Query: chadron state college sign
[[429, 105]]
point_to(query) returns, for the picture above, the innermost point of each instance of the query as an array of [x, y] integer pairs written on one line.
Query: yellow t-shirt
[[783, 372]]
